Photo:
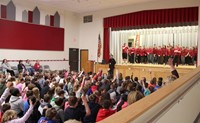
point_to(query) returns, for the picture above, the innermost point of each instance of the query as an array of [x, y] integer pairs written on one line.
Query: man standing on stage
[[124, 53], [112, 63]]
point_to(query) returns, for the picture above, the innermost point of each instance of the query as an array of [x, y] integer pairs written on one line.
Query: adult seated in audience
[[7, 68], [29, 67], [21, 67], [37, 66]]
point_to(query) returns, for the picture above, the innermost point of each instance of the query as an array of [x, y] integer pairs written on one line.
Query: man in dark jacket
[[112, 63]]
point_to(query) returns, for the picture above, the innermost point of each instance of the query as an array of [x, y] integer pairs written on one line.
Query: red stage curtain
[[106, 47], [147, 19]]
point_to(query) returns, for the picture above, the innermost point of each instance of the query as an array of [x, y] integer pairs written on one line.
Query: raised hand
[[31, 103]]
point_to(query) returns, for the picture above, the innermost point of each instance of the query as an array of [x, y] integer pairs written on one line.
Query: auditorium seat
[[46, 68], [15, 69]]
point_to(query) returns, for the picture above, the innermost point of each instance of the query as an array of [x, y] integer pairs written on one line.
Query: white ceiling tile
[[80, 6]]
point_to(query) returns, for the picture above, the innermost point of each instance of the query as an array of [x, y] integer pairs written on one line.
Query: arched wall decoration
[[56, 19], [25, 16], [11, 11], [36, 16], [47, 20]]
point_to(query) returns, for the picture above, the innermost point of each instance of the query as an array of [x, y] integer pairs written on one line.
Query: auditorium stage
[[145, 70]]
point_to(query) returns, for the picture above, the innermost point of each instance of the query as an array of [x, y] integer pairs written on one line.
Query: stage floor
[[158, 65], [145, 70]]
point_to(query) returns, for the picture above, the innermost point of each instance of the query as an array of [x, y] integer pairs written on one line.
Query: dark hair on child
[[31, 86], [33, 99], [151, 89], [29, 93], [72, 100], [60, 92], [14, 91], [47, 98], [5, 107], [50, 113], [127, 78], [106, 104], [59, 101], [160, 79], [136, 79], [92, 98], [146, 85], [51, 91]]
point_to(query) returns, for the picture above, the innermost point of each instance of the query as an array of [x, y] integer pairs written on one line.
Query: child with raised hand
[[172, 68], [10, 116], [49, 116]]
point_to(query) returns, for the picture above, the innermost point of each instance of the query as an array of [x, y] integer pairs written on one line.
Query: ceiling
[[81, 6]]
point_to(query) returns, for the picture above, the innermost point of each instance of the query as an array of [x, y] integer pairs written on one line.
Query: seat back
[[46, 67]]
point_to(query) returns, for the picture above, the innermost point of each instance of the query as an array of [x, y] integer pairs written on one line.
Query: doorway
[[73, 59], [85, 64]]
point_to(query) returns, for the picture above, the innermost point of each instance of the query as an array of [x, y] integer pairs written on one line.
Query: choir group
[[159, 55]]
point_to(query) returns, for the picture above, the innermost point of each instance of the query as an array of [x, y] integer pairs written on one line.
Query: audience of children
[[63, 96]]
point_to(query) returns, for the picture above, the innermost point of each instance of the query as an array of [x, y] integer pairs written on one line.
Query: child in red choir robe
[[124, 53]]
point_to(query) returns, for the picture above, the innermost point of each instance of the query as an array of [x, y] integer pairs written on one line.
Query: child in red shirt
[[37, 65], [105, 111]]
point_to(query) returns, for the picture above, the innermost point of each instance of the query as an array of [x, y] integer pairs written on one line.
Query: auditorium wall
[[89, 31], [68, 21]]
